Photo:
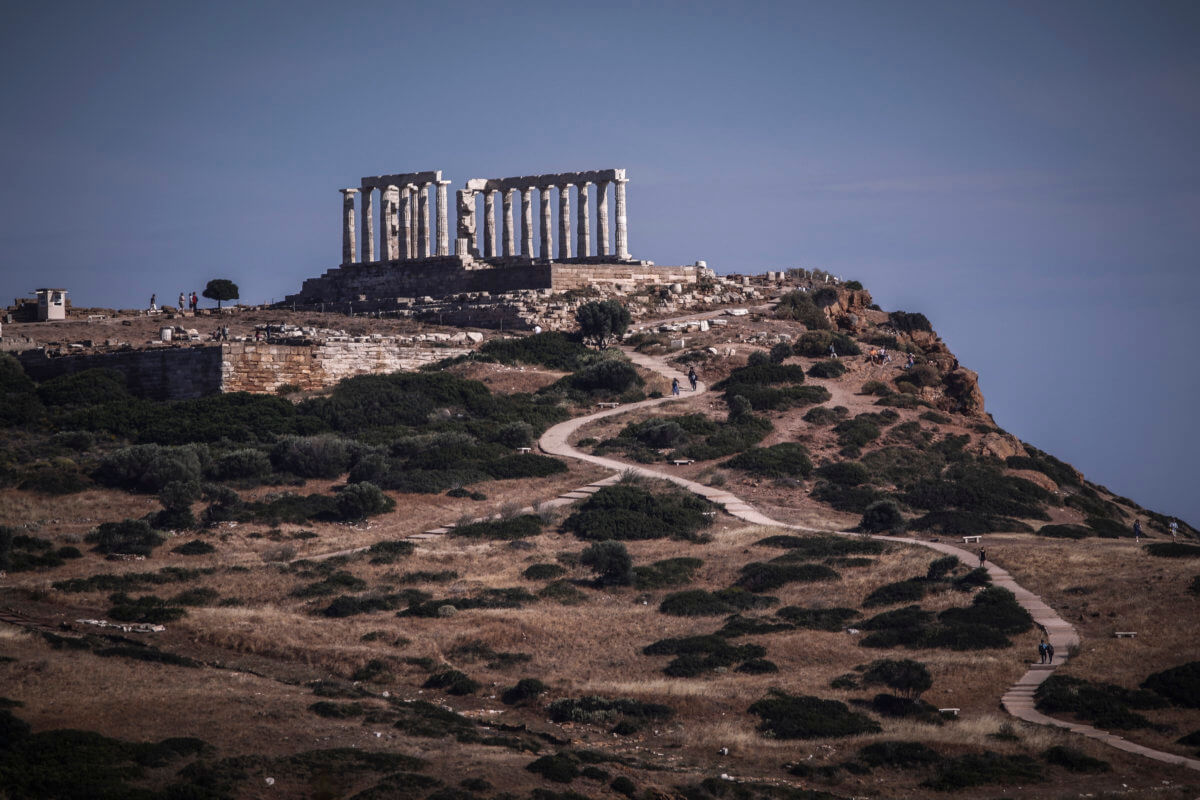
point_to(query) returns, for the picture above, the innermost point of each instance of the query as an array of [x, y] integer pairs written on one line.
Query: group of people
[[1046, 652], [693, 379], [192, 301]]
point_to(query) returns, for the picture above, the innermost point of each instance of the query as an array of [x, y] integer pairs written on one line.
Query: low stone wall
[[627, 277], [258, 367], [178, 373], [162, 373]]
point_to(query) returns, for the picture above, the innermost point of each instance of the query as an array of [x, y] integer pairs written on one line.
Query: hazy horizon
[[1021, 173]]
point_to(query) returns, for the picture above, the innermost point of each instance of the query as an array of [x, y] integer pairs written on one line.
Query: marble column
[[547, 251], [527, 222], [622, 230], [406, 222], [564, 221], [389, 246], [464, 240], [489, 224], [348, 243], [508, 238], [584, 223], [443, 229], [423, 221], [368, 225], [602, 218]]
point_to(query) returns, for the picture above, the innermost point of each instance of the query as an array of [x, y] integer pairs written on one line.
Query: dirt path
[[1018, 700]]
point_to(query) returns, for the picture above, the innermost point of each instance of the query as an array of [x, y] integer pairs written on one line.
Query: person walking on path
[[1042, 652], [195, 301], [1049, 653], [1137, 531], [692, 379], [1174, 529], [675, 386], [832, 352], [154, 302], [982, 556], [181, 302]]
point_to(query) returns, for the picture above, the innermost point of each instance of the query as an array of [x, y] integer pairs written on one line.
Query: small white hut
[[52, 304]]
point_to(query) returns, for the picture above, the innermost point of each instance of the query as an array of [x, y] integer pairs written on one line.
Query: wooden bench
[[951, 711], [523, 449], [681, 462], [97, 317], [969, 539], [608, 405], [1125, 634]]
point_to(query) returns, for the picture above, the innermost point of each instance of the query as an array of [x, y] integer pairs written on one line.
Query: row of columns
[[404, 223], [583, 240], [405, 230]]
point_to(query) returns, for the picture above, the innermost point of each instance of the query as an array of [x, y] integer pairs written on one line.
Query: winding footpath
[[1018, 700]]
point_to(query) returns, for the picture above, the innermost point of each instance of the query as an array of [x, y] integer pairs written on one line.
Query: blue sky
[[1025, 174]]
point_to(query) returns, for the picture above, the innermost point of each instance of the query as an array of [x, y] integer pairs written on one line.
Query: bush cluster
[[625, 511], [760, 577], [787, 459], [799, 306], [986, 623], [596, 710], [131, 536], [815, 344], [1180, 685], [702, 603], [553, 349], [696, 655], [1106, 704], [520, 527], [833, 368], [786, 716], [667, 572]]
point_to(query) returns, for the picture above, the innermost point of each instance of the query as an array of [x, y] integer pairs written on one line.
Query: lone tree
[[601, 319], [610, 561], [221, 289]]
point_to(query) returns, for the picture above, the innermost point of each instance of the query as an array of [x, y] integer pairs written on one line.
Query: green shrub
[[55, 477], [322, 456], [857, 432], [520, 527], [898, 754], [452, 681], [694, 603], [196, 547], [786, 716], [526, 689], [623, 785], [800, 307], [696, 655], [984, 768], [823, 415], [909, 678], [357, 501], [819, 619], [761, 577], [559, 351], [882, 516], [543, 572], [630, 512], [908, 591], [780, 353], [150, 467], [245, 464], [908, 322], [79, 441], [742, 431], [1060, 472], [844, 473], [86, 388], [324, 708], [594, 710], [965, 523], [609, 377], [610, 561], [562, 592], [994, 607], [148, 608], [787, 459], [757, 666], [814, 546], [1193, 587], [933, 416], [1107, 705], [664, 573], [600, 320], [523, 465], [827, 369], [1065, 531], [764, 374], [1074, 760], [1173, 550], [131, 536], [815, 344], [981, 489], [1180, 685]]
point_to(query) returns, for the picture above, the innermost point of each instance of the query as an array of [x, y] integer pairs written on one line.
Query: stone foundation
[[382, 286], [178, 373]]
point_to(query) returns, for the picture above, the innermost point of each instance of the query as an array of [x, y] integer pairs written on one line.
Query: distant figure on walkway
[[832, 352], [1042, 651], [982, 556], [675, 386], [692, 379], [1049, 653], [912, 362], [1137, 531], [154, 302], [195, 301], [181, 302], [1174, 529]]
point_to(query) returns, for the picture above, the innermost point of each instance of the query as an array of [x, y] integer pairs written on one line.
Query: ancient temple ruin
[[392, 251]]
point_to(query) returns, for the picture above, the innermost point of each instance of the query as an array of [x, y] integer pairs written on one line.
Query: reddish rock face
[[962, 386]]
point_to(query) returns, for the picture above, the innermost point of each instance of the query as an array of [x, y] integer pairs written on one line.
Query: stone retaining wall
[[178, 373], [258, 367]]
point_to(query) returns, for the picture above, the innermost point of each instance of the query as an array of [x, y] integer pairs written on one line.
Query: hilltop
[[386, 589]]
